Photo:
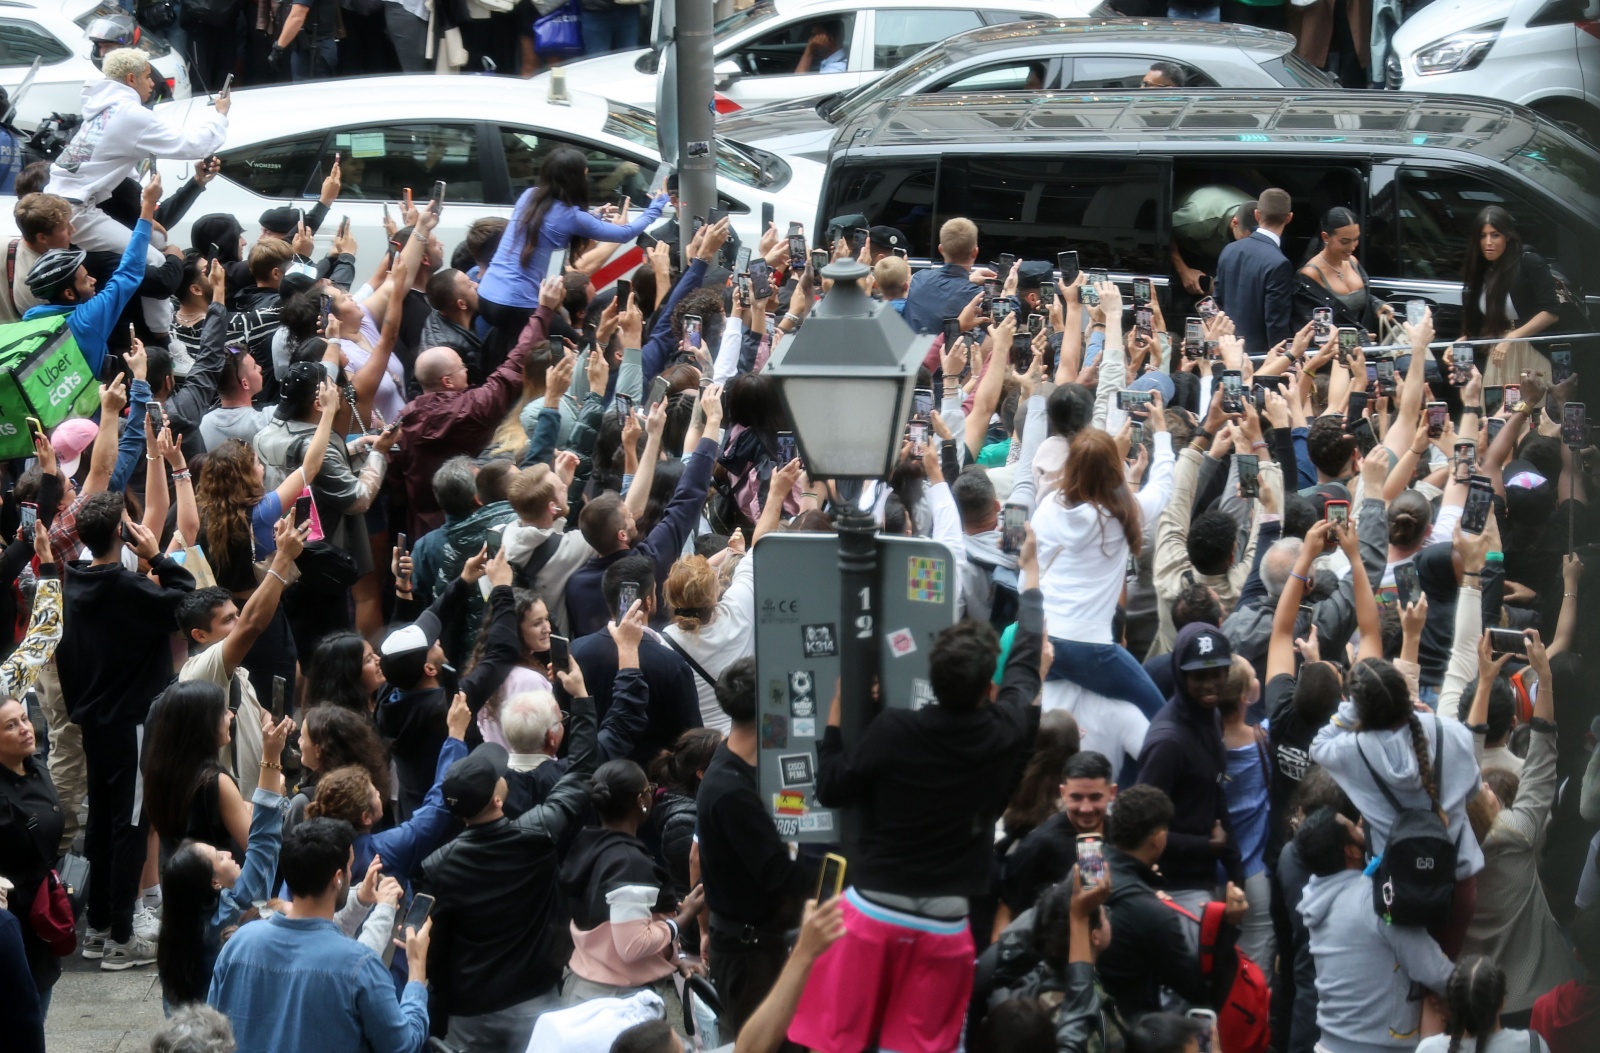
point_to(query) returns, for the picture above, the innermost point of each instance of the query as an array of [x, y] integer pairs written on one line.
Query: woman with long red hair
[[1086, 531]]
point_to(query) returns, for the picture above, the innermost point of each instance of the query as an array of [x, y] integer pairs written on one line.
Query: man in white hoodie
[[544, 556], [116, 135]]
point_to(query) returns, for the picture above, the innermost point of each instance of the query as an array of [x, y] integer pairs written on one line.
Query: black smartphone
[[624, 293], [417, 914], [1013, 528], [1047, 294], [1249, 474], [1407, 586], [493, 538], [1067, 264], [658, 391], [624, 405], [787, 450], [1232, 391], [760, 279], [1460, 364], [952, 333], [627, 593], [1508, 641], [1494, 396], [302, 510], [436, 203], [1355, 409], [1135, 439], [1480, 501], [1366, 439], [819, 260], [30, 516], [715, 216], [1141, 291], [1574, 425], [403, 543], [1144, 318], [279, 686], [1003, 266], [1438, 416], [559, 653], [1560, 363], [768, 216], [858, 240], [1494, 425]]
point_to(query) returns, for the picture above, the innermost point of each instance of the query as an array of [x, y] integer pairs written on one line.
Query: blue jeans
[[1108, 670], [616, 28]]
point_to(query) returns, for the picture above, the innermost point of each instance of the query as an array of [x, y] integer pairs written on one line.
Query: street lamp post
[[846, 380]]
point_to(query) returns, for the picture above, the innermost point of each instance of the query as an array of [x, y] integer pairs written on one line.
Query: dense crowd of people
[[410, 689]]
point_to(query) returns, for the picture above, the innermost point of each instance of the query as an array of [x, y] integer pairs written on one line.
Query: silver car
[[1070, 55]]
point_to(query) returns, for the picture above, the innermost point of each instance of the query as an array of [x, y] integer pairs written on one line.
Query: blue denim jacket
[[937, 294], [292, 985]]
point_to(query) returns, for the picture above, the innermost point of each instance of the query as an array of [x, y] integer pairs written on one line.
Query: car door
[[761, 69], [1017, 74], [59, 84]]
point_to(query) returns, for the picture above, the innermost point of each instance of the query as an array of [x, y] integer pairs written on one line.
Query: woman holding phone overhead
[[547, 219]]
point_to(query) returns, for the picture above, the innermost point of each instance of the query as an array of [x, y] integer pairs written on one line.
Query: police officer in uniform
[[307, 40]]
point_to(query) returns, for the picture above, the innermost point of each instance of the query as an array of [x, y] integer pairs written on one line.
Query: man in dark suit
[[1255, 282]]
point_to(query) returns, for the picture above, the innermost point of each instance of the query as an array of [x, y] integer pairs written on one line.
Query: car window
[[277, 169], [611, 175], [1438, 210], [1292, 71], [894, 193], [1000, 18], [21, 43], [736, 161], [1108, 72], [1107, 209], [1008, 76], [777, 52], [380, 163], [901, 34]]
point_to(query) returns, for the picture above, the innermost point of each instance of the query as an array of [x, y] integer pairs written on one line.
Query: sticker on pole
[[699, 147], [901, 643], [925, 579], [788, 804], [819, 641], [797, 770], [802, 694], [774, 732]]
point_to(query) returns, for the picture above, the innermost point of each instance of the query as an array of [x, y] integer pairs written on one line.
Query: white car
[[53, 31], [757, 48], [485, 137], [1544, 54]]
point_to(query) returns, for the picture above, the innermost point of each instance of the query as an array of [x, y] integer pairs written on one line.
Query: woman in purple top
[[548, 216]]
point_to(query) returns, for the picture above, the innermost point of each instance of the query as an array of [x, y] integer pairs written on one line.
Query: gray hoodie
[[1366, 970]]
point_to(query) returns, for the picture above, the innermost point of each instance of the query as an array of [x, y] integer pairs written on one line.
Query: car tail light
[[722, 104]]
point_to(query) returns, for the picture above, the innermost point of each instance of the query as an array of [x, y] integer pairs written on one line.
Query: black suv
[[1099, 173]]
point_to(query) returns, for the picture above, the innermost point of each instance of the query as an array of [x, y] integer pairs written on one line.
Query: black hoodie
[[602, 861], [1184, 756]]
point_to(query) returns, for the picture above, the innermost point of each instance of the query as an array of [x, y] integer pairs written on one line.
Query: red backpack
[[1242, 1016]]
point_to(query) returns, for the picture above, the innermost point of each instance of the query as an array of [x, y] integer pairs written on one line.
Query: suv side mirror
[[1558, 12], [727, 71]]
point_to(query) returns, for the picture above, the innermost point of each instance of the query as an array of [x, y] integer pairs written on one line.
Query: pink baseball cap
[[71, 438]]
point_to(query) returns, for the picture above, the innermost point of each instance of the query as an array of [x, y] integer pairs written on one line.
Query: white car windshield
[[736, 161]]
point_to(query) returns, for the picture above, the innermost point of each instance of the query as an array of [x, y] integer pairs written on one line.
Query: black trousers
[[115, 839], [743, 974], [508, 324], [213, 53]]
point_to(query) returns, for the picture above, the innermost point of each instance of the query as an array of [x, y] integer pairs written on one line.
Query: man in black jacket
[[498, 913], [1152, 944], [1255, 281], [753, 888], [115, 658], [411, 713]]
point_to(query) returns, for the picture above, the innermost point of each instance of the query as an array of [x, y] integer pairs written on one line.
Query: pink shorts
[[893, 981]]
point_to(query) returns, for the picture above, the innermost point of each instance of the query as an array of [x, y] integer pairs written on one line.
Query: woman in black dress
[[31, 822], [186, 792], [1509, 293]]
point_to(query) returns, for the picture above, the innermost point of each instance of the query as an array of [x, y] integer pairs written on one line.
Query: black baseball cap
[[1206, 649], [470, 782], [885, 237]]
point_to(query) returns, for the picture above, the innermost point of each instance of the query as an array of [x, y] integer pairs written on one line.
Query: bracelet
[[1259, 446], [280, 577], [1477, 410], [181, 475], [807, 493], [272, 765], [151, 457], [1471, 574], [1569, 595], [1302, 577]]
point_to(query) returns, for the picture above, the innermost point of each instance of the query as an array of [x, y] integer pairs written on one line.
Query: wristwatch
[[1522, 407]]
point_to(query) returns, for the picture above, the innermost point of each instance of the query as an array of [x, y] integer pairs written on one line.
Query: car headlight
[[1394, 73], [1458, 52]]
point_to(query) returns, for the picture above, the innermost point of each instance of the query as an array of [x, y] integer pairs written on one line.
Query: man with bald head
[[452, 417]]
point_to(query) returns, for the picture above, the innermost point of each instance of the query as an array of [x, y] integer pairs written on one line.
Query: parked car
[[757, 48], [485, 137], [53, 32], [1100, 174], [1544, 54], [1074, 55]]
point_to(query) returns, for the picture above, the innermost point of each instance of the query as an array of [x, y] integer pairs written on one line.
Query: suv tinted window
[[1006, 76], [901, 34], [279, 169], [379, 163], [897, 193], [1438, 210], [1110, 210], [1108, 72], [20, 44]]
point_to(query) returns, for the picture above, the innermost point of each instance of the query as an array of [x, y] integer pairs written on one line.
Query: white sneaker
[[147, 923], [94, 942], [139, 950]]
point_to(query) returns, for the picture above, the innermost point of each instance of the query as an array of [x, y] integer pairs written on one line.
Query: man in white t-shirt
[[220, 635]]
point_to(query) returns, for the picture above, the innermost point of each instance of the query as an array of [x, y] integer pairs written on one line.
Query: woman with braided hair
[[1378, 733], [1476, 991]]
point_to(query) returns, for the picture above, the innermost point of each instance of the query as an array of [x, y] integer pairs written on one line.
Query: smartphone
[[627, 593], [1511, 396], [624, 293], [1494, 397], [1321, 323], [1385, 373], [1067, 264], [302, 510], [1088, 295], [1337, 512], [1141, 291], [1466, 461], [1480, 501], [1407, 586], [36, 429], [1047, 294], [30, 516], [417, 913], [227, 87], [1208, 1019], [831, 881], [1349, 339], [1135, 439], [742, 284], [769, 215], [952, 333], [1355, 409], [1416, 311], [999, 309], [1460, 364], [559, 653], [436, 203], [1574, 425], [1207, 307], [797, 246], [691, 330], [1013, 528], [1232, 391], [1003, 266], [1560, 363], [158, 417], [917, 431], [858, 240], [658, 391], [1145, 319], [715, 216], [1098, 276], [557, 265], [1494, 425], [1249, 474], [760, 279], [493, 538], [1132, 400], [819, 260], [787, 450], [279, 684], [921, 403], [741, 262], [1366, 439], [1091, 859], [1508, 641], [403, 543], [1438, 415], [1193, 331]]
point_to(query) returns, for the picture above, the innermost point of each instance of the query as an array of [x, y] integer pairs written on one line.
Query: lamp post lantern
[[846, 380]]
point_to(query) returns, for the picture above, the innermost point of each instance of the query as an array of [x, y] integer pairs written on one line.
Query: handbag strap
[[698, 669]]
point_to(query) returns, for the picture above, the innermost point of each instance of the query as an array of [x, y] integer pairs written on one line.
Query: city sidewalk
[[99, 1012]]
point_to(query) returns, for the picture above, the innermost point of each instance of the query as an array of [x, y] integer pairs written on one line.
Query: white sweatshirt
[[118, 132]]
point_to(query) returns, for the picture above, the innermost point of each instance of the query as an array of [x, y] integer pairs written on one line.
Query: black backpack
[[1414, 881]]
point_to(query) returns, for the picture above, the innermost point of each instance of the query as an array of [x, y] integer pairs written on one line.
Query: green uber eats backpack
[[42, 375]]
